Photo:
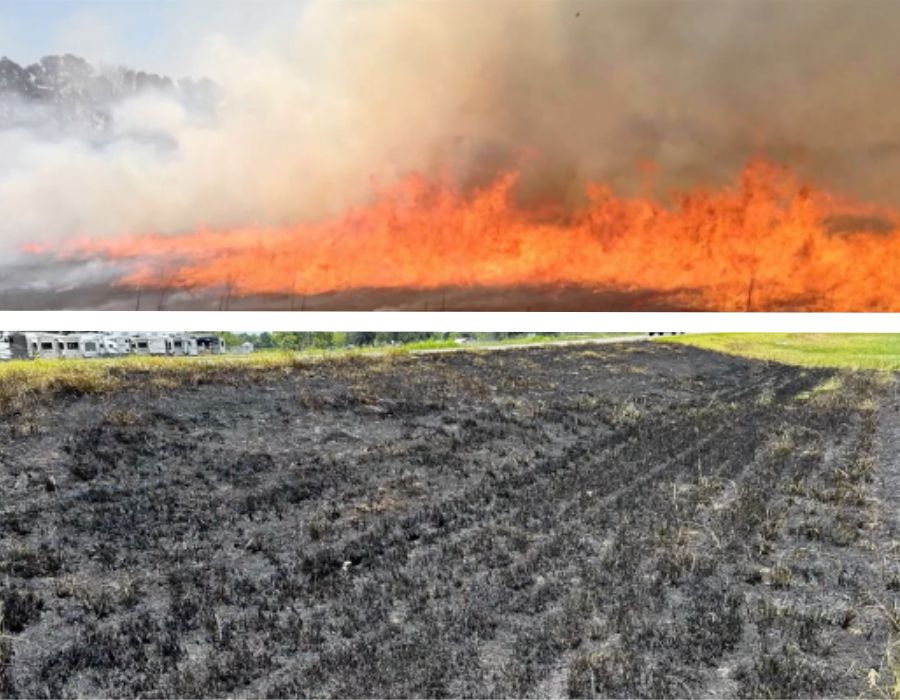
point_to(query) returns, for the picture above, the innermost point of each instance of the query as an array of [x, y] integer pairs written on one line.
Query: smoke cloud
[[570, 92]]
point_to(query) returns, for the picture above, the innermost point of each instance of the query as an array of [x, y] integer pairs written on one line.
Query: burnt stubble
[[635, 520]]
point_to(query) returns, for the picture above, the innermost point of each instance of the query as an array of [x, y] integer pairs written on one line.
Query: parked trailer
[[149, 345], [44, 346], [29, 342], [17, 345], [110, 346], [210, 345], [68, 346], [13, 346], [181, 345], [90, 346], [121, 343]]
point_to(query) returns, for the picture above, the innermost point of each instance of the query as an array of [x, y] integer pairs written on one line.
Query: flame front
[[767, 242]]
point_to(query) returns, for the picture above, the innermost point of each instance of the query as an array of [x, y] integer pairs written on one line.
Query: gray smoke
[[582, 90]]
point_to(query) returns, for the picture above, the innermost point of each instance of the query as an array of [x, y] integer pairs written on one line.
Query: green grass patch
[[869, 351]]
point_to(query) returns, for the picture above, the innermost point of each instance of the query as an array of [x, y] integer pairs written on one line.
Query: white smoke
[[309, 112]]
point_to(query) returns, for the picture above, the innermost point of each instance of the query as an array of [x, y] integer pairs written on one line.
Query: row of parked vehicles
[[15, 345]]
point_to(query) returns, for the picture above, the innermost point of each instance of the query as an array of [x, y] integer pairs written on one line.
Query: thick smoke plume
[[567, 92]]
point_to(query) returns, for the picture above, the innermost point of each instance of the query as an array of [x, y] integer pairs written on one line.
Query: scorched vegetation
[[632, 520]]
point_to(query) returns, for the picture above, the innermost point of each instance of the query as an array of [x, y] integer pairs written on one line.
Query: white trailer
[[149, 345], [118, 344], [87, 345], [179, 345], [67, 346], [44, 345], [90, 345], [14, 346], [157, 345], [210, 345], [108, 346]]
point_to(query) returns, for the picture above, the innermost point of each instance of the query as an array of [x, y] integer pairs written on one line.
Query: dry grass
[[20, 379]]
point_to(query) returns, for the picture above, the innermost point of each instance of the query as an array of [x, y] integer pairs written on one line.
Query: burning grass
[[767, 242]]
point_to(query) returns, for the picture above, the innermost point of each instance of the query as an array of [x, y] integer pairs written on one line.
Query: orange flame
[[765, 243]]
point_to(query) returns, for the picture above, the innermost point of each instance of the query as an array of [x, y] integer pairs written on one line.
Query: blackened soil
[[634, 520]]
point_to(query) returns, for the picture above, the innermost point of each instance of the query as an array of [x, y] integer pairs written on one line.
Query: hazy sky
[[152, 35]]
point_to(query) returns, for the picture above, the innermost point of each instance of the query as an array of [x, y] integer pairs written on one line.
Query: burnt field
[[631, 520]]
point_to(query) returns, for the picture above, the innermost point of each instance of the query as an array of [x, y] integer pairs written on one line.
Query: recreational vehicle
[[44, 345], [85, 345], [90, 346], [148, 345], [123, 343], [14, 346], [67, 346], [19, 346], [210, 345], [181, 345]]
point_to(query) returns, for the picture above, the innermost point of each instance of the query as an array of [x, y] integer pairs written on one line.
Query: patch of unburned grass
[[78, 377], [853, 389], [821, 390], [868, 351]]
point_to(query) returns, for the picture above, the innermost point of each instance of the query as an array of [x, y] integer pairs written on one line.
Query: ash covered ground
[[635, 520]]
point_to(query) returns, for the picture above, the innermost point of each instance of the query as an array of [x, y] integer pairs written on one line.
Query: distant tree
[[361, 338], [264, 340], [231, 339], [68, 92], [286, 341], [339, 339], [321, 340]]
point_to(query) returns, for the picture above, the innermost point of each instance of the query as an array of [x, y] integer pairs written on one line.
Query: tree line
[[325, 340]]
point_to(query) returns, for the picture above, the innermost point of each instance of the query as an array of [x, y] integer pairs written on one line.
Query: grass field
[[878, 351]]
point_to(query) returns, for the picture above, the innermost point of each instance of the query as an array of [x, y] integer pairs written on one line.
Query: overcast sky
[[154, 35]]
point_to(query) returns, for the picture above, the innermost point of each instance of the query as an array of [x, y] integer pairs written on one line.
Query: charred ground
[[608, 521]]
